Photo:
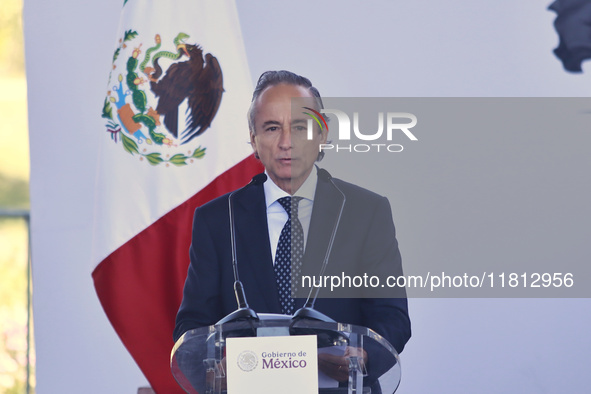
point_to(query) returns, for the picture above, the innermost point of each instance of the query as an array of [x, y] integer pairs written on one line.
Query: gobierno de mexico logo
[[247, 361]]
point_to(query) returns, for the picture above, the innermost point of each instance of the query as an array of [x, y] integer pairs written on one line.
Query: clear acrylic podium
[[198, 365]]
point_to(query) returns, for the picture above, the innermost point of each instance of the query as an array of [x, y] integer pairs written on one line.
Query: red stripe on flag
[[140, 284]]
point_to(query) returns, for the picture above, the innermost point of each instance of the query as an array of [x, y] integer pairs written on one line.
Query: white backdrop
[[347, 48]]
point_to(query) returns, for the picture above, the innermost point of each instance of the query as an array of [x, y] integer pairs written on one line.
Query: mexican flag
[[175, 136]]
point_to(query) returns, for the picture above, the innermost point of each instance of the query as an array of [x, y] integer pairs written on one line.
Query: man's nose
[[285, 138]]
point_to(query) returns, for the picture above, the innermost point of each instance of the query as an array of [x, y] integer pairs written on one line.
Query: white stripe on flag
[[131, 193]]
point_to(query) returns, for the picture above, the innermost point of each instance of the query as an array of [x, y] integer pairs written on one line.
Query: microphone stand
[[308, 311], [244, 312]]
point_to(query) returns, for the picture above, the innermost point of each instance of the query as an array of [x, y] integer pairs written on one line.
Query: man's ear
[[254, 145], [323, 140], [324, 136]]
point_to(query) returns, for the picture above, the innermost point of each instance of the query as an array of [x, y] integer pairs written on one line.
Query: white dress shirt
[[276, 215]]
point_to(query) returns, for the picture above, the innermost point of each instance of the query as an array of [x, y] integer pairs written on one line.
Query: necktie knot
[[290, 204]]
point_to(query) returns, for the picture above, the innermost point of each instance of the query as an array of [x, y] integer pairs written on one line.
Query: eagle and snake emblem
[[142, 108]]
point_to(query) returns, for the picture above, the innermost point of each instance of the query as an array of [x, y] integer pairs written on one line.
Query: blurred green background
[[14, 195]]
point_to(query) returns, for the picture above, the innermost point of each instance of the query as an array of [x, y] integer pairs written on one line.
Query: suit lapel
[[324, 215], [255, 263]]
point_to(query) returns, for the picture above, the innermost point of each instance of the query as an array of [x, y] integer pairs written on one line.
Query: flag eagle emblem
[[152, 86]]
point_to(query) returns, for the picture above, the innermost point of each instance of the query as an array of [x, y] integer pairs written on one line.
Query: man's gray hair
[[272, 78]]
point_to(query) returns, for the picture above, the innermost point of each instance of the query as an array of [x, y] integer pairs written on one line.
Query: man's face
[[280, 141]]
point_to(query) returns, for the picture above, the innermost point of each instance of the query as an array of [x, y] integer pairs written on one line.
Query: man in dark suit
[[366, 232]]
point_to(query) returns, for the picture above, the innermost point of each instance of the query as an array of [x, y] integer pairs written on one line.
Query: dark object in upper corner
[[573, 24]]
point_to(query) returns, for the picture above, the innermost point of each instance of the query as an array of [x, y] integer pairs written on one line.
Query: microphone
[[243, 311], [308, 311]]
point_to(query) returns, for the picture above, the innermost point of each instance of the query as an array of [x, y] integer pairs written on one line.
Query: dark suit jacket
[[366, 235]]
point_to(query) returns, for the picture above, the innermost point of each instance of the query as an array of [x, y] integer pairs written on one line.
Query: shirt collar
[[307, 190]]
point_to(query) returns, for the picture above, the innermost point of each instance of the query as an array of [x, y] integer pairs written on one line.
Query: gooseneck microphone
[[243, 311], [308, 311]]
